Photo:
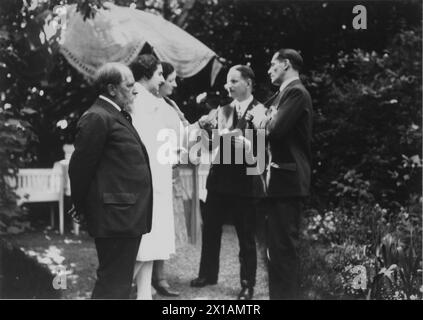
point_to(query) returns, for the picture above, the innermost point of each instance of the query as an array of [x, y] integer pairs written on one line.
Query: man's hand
[[249, 116], [242, 142], [238, 142], [76, 216]]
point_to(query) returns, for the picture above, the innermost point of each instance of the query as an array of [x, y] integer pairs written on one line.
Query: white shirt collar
[[243, 105], [286, 82], [111, 102]]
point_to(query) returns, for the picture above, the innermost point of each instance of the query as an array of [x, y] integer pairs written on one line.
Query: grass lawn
[[77, 254]]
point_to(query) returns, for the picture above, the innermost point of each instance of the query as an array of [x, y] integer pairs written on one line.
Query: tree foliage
[[367, 140]]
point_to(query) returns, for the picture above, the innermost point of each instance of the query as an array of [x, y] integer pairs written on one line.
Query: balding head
[[115, 80]]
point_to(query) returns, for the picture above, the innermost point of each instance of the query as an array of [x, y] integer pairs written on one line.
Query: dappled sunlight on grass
[[77, 256]]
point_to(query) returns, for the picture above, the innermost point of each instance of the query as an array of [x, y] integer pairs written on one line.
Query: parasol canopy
[[119, 33]]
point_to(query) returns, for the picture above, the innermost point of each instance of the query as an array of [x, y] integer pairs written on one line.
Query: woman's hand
[[206, 122]]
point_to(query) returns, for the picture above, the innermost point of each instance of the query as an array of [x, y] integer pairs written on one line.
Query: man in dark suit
[[111, 181], [230, 190], [288, 125]]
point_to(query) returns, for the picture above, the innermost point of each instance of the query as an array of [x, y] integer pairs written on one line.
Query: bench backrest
[[39, 185]]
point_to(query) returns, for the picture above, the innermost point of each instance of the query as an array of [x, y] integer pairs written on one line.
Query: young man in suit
[[230, 190], [288, 125], [111, 181]]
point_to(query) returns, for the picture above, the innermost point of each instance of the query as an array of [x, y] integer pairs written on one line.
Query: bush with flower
[[367, 252]]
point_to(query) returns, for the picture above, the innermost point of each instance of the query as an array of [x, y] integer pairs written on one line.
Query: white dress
[[150, 116]]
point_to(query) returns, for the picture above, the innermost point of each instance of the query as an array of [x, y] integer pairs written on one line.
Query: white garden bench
[[46, 185], [42, 185]]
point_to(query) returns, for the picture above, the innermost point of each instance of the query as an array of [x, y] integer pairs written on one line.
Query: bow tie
[[126, 115]]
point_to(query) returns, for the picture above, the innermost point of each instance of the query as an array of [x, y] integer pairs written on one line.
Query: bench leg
[[52, 216], [61, 217]]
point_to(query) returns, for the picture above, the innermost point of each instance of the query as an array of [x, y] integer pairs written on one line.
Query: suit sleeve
[[89, 143], [290, 109]]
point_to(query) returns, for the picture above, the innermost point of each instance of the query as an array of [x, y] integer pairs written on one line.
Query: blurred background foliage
[[366, 89]]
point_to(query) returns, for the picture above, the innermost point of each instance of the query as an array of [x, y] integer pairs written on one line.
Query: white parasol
[[119, 33]]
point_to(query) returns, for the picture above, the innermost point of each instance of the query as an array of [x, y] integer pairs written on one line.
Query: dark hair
[[293, 56], [144, 66], [167, 69], [246, 72], [109, 73]]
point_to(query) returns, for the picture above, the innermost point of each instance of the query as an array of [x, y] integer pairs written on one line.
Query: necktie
[[239, 112], [126, 115], [235, 118]]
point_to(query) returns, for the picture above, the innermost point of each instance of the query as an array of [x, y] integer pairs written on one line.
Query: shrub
[[13, 139], [365, 252], [367, 128]]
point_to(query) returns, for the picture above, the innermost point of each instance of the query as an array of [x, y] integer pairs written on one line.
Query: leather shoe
[[201, 282], [246, 293], [165, 291]]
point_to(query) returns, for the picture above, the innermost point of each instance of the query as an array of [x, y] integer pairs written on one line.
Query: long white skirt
[[159, 244]]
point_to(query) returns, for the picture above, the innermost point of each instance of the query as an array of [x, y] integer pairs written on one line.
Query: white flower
[[62, 124], [414, 127]]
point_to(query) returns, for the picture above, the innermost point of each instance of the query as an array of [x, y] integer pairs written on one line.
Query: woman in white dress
[[152, 115], [160, 282]]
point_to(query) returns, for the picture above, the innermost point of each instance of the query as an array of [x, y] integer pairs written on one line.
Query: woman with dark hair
[[151, 119], [167, 88]]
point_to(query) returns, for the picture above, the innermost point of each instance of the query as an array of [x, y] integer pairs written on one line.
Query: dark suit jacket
[[288, 133], [232, 178], [110, 174]]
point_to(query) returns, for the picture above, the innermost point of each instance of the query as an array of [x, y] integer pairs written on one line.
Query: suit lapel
[[120, 118], [226, 117], [269, 101], [277, 97], [291, 84]]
